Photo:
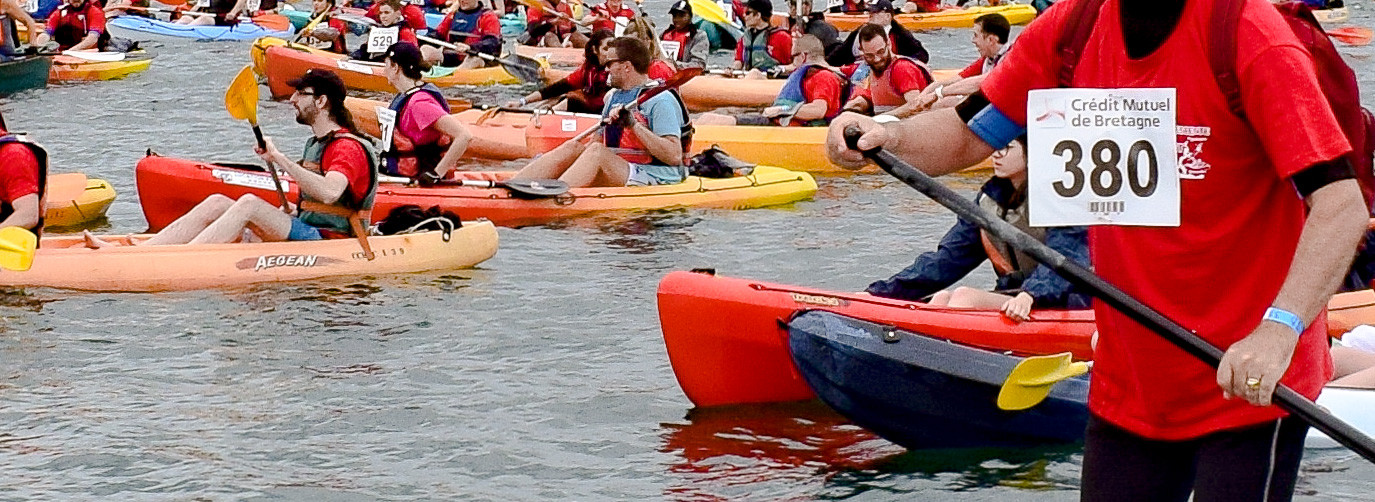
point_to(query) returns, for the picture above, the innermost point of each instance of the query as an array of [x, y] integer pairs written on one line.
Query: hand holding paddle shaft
[[1285, 397], [242, 102]]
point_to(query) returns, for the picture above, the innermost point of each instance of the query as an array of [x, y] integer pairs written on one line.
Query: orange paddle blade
[[1352, 35], [274, 22]]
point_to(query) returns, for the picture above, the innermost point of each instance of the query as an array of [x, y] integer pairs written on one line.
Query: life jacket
[[465, 22], [1335, 78], [1000, 198], [335, 46], [683, 38], [609, 24], [41, 155], [312, 159], [403, 157], [885, 96], [756, 51], [628, 147], [594, 87], [793, 92], [72, 26]]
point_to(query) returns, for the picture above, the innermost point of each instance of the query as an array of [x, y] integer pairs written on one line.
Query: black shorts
[[1260, 462]]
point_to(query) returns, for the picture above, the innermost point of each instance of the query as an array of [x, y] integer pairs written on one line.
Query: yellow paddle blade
[[708, 10], [16, 248], [242, 97], [1030, 382]]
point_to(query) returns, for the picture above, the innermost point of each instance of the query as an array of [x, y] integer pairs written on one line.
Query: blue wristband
[[1284, 317]]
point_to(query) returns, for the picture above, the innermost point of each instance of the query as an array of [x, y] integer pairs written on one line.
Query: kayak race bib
[[621, 23], [379, 39], [671, 49], [30, 6], [386, 120], [253, 6], [1102, 157], [834, 4]]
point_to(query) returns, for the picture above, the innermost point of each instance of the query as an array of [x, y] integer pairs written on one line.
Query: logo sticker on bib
[[1102, 157], [671, 49], [379, 39]]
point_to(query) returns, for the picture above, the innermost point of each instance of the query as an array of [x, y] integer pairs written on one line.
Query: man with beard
[[338, 175], [642, 145], [891, 84], [78, 25], [902, 41]]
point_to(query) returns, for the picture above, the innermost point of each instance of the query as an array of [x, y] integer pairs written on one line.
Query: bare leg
[[193, 222], [552, 164], [1350, 361], [964, 297], [576, 39], [551, 40], [472, 62], [1364, 379], [597, 166], [941, 298], [710, 118], [755, 74], [200, 20], [250, 212]]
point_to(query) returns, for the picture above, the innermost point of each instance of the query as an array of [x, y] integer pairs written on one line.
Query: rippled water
[[541, 375]]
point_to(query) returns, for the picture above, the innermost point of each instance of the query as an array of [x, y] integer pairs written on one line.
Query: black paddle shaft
[[1286, 398]]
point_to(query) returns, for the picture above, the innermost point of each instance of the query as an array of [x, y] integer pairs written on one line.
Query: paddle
[[104, 57], [274, 22], [242, 102], [1352, 35], [524, 68], [17, 246], [710, 11], [1031, 380], [530, 188], [674, 82], [314, 21], [1285, 397]]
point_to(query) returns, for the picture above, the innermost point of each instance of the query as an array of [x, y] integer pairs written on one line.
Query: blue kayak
[[243, 31], [926, 393], [24, 74]]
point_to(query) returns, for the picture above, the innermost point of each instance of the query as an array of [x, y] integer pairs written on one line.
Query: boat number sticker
[[31, 6], [379, 39], [386, 121], [243, 179], [253, 6], [1102, 157], [569, 125], [826, 301], [671, 49], [354, 67]]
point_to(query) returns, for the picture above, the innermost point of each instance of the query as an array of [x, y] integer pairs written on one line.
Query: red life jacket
[[608, 24], [682, 37], [73, 24], [885, 96], [629, 147], [1335, 78]]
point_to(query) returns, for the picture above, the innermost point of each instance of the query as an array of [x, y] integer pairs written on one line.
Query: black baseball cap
[[323, 82], [407, 56], [681, 6], [881, 6]]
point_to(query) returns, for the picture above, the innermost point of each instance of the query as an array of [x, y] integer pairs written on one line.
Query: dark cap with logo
[[881, 6], [323, 82], [681, 6]]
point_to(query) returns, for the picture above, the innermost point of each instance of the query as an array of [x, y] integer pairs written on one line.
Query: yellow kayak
[[76, 200], [949, 18], [74, 69]]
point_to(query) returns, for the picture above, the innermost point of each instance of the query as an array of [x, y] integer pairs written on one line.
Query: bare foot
[[92, 241]]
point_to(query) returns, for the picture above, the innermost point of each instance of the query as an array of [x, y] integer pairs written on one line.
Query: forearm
[[811, 111], [1336, 221], [459, 137], [25, 213], [936, 143], [308, 182], [963, 87], [87, 43]]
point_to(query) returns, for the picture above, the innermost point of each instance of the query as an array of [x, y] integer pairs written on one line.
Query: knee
[[941, 298], [962, 296], [217, 203]]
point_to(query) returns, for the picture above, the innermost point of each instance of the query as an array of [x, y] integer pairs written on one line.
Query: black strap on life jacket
[[41, 156]]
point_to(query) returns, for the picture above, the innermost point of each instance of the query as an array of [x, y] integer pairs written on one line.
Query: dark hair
[[867, 32], [633, 50], [994, 24], [1021, 140], [763, 7], [340, 114], [589, 52], [394, 4]]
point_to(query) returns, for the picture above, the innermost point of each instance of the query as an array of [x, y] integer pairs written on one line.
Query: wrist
[[523, 102], [1284, 318]]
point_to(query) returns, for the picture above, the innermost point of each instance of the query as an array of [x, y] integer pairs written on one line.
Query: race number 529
[[1102, 157]]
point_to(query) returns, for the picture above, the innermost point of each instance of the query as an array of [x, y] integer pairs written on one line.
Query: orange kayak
[[282, 61], [65, 262], [747, 360], [168, 188], [555, 56]]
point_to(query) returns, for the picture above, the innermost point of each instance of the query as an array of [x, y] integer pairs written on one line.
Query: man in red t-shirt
[[77, 25], [893, 83], [991, 33], [821, 87], [339, 172], [763, 46], [1164, 424], [21, 169]]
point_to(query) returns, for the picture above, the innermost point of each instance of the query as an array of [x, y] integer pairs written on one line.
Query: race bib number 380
[[1102, 157]]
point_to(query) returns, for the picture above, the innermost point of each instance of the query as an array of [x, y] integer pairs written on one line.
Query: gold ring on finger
[[1253, 382]]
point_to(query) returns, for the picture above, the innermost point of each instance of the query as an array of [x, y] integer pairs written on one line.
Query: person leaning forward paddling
[[338, 175], [423, 141], [1163, 424], [11, 14], [23, 174]]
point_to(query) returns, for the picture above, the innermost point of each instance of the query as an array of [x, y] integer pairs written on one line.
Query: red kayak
[[727, 338]]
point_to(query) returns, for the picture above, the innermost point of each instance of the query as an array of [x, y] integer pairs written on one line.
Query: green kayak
[[24, 74]]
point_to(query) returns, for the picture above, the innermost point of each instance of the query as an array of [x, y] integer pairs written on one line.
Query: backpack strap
[[1072, 41], [1222, 51]]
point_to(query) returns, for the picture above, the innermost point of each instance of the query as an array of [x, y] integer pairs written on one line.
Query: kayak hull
[[169, 188], [78, 208], [24, 74], [747, 360], [65, 262], [1332, 16], [281, 63], [949, 18], [138, 27], [72, 69], [926, 393], [555, 56]]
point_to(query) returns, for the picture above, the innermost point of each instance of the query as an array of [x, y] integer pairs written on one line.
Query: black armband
[[1322, 174], [971, 106]]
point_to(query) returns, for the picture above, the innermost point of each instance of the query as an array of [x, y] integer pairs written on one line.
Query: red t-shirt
[[592, 83], [349, 158], [414, 15], [822, 85], [1240, 215], [90, 19], [779, 46], [605, 14], [661, 70], [974, 69], [18, 171]]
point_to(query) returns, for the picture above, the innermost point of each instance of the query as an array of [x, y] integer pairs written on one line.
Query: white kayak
[[1351, 405]]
